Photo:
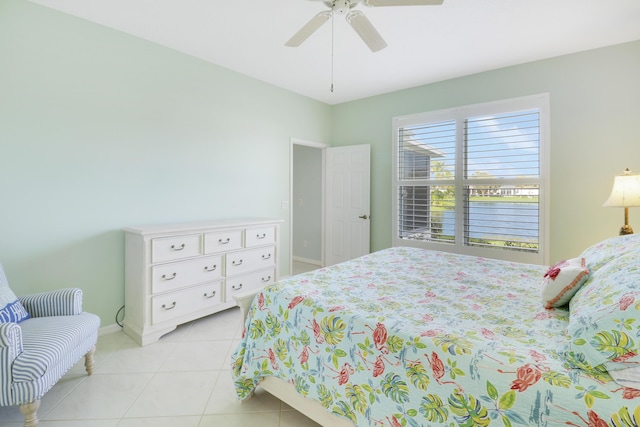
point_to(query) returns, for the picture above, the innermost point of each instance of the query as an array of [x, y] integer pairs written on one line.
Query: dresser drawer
[[249, 260], [180, 303], [174, 248], [175, 275], [220, 241], [248, 282], [258, 236]]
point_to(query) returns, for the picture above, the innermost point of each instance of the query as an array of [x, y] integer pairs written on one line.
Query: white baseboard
[[307, 260], [109, 329]]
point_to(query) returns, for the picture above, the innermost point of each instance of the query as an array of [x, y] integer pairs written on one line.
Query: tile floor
[[183, 380], [302, 267]]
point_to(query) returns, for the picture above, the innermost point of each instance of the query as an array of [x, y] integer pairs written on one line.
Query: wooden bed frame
[[286, 392]]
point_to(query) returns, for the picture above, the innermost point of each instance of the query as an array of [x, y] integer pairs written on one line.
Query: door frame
[[321, 146]]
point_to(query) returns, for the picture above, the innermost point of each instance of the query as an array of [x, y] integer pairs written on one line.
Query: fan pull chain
[[332, 31]]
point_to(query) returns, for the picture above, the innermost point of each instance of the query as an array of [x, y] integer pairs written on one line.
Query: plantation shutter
[[426, 168], [502, 171], [470, 179]]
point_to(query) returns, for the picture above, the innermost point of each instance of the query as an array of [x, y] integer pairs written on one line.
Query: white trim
[[540, 102], [308, 260], [109, 329], [307, 143]]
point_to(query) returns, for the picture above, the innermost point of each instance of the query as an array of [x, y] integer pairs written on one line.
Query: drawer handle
[[173, 305], [173, 276], [213, 294], [237, 288], [224, 242], [266, 257], [179, 248], [266, 280], [207, 268], [235, 264], [261, 236]]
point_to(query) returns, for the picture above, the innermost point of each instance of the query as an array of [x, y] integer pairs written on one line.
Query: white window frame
[[539, 102]]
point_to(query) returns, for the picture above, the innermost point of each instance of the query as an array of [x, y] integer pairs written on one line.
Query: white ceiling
[[425, 43]]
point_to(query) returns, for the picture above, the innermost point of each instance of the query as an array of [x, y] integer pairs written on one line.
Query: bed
[[412, 337]]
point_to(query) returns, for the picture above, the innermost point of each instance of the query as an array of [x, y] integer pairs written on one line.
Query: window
[[472, 179]]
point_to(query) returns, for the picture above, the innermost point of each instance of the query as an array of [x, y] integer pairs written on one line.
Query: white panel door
[[347, 203]]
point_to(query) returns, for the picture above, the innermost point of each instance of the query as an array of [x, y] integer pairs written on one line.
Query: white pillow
[[562, 281]]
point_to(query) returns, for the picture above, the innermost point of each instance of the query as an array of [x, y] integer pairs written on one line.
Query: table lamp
[[625, 194]]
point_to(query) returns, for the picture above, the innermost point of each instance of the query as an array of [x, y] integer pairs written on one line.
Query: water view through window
[[512, 221], [470, 178], [497, 221]]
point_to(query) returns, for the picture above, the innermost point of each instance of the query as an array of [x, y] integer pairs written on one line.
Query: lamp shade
[[625, 192]]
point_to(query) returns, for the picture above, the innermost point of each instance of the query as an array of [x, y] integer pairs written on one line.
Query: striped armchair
[[42, 346]]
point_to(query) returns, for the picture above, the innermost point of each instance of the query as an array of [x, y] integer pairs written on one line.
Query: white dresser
[[180, 272]]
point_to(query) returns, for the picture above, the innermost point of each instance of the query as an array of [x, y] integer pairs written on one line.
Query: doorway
[[307, 206]]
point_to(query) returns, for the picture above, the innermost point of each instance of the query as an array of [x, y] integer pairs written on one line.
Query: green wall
[[100, 131], [595, 134]]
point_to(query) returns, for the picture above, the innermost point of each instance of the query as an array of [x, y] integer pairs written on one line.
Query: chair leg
[[30, 412], [89, 361]]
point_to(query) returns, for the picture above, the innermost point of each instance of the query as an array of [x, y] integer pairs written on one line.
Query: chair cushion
[[10, 308], [47, 340]]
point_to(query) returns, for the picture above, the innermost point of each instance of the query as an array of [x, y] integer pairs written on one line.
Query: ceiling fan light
[[341, 7]]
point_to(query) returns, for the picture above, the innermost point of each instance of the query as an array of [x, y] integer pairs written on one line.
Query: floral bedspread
[[410, 337]]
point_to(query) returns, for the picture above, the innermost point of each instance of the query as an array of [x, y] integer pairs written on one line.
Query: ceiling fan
[[355, 18]]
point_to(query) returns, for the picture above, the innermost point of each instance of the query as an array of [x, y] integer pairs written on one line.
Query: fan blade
[[308, 29], [366, 30], [378, 3]]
